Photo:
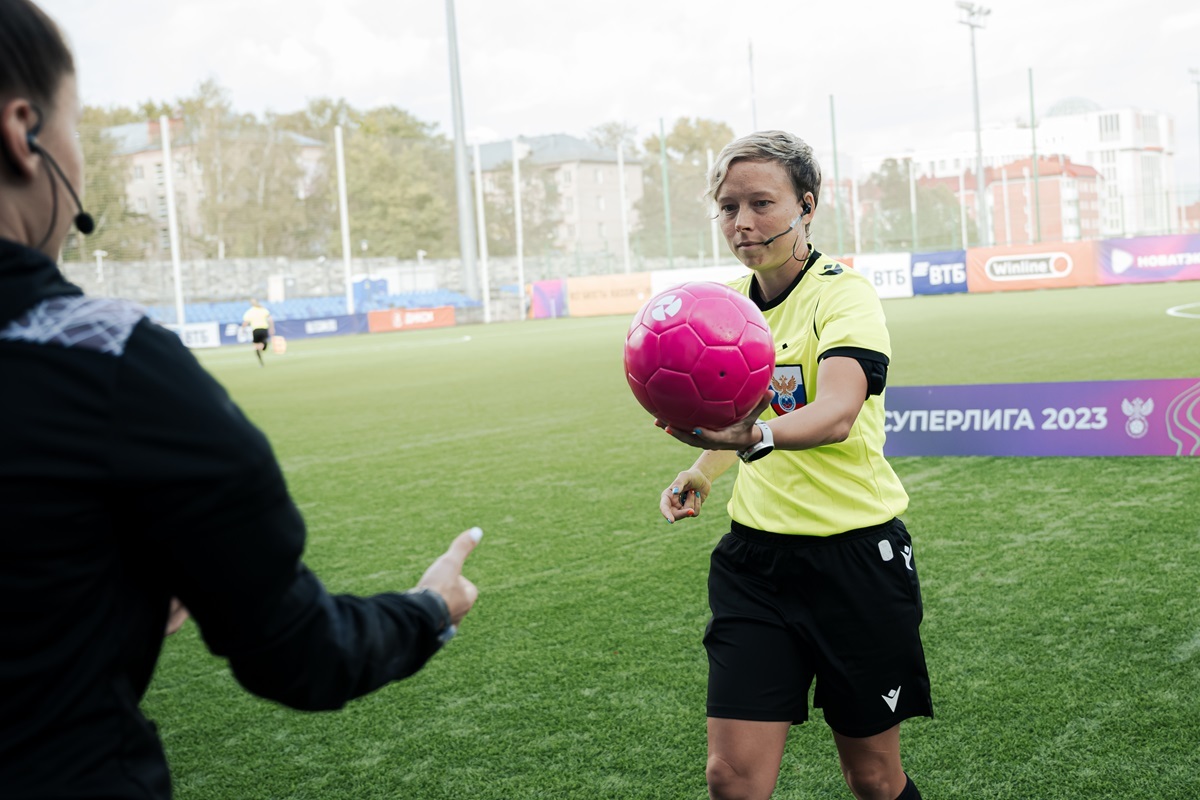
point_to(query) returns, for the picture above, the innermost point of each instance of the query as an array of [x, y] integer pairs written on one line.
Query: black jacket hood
[[27, 278]]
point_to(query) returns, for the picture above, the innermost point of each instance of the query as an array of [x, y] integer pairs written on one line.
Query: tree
[[319, 118], [121, 233], [539, 209], [212, 132], [612, 135], [400, 185], [687, 146], [266, 186], [888, 221], [256, 198]]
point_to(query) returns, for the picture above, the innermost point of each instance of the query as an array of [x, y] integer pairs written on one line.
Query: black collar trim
[[756, 292]]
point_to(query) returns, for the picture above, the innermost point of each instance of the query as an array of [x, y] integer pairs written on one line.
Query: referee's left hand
[[683, 498]]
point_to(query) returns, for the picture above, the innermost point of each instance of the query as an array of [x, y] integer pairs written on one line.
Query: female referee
[[816, 579]]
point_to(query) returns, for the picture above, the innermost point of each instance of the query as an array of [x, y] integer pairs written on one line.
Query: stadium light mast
[[462, 180], [1195, 73], [753, 99], [1037, 191], [975, 16], [837, 178]]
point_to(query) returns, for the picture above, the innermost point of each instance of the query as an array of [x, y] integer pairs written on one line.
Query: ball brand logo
[[1038, 266], [666, 307], [1137, 410]]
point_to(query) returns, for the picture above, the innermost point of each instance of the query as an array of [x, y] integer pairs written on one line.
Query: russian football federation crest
[[1137, 410], [787, 384]]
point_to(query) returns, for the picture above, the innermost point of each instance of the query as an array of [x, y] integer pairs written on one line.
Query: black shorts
[[843, 609], [261, 335]]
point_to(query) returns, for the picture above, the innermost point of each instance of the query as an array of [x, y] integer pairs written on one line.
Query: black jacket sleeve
[[203, 500]]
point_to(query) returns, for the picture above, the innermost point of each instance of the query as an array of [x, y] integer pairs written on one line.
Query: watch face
[[755, 452], [755, 455]]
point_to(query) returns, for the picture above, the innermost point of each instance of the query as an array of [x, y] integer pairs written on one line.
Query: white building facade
[[1132, 149]]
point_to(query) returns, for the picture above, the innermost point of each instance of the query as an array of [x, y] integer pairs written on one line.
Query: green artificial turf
[[1061, 627]]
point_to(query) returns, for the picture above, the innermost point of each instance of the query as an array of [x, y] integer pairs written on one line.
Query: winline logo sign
[[1036, 266]]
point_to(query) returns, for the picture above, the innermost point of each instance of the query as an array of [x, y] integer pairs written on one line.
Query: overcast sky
[[900, 72]]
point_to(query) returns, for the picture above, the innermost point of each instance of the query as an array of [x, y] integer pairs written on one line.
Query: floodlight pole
[[912, 200], [753, 100], [486, 290], [164, 129], [343, 210], [1037, 192], [519, 223], [975, 16], [462, 180], [662, 151], [1196, 80], [962, 208], [837, 179], [713, 221], [624, 198], [854, 215]]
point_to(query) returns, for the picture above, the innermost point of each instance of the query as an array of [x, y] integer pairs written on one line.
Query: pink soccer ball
[[699, 355]]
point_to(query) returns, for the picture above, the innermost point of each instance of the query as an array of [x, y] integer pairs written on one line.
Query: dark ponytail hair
[[34, 58]]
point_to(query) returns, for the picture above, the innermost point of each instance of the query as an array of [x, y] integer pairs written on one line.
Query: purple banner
[[1149, 259], [233, 333], [549, 299], [1095, 418]]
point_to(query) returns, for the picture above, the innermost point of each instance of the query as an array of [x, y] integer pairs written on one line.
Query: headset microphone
[[805, 209], [795, 222], [83, 220]]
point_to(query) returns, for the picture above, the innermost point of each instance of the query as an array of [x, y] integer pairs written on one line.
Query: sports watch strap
[[759, 449]]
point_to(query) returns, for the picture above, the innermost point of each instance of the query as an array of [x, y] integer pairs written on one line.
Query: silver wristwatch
[[760, 449]]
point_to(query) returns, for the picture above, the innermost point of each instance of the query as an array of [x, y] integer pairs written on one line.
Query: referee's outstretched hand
[[445, 577]]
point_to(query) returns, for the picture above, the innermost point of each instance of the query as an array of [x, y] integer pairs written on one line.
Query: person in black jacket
[[128, 477]]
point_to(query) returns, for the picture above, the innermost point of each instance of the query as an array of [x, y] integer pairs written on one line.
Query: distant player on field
[[816, 579], [261, 325]]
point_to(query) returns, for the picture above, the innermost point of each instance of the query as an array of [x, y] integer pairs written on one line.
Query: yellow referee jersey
[[258, 318], [837, 487]]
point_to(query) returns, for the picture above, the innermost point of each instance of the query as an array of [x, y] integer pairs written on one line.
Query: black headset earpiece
[[806, 208], [31, 137]]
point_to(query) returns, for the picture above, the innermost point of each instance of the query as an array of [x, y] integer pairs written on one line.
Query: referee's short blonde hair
[[795, 154]]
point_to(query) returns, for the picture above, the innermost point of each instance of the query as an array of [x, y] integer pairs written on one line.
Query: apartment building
[[1132, 149], [587, 182]]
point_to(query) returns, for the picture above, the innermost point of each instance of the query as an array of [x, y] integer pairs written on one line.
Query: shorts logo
[[891, 698], [885, 550], [787, 384], [906, 551]]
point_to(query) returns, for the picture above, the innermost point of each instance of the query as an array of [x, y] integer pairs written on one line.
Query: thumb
[[464, 543], [765, 401]]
